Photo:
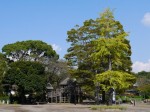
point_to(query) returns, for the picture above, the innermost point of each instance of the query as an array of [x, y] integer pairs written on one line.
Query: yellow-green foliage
[[145, 88], [115, 79], [114, 47]]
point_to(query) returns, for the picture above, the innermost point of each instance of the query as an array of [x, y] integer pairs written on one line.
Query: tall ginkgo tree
[[85, 43], [110, 50]]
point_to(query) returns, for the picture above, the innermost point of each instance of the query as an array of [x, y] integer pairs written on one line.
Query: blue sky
[[49, 21]]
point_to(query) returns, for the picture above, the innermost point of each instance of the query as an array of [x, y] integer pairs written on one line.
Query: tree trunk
[[109, 63], [103, 97], [110, 91]]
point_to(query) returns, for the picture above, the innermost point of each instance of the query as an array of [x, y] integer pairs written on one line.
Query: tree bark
[[109, 63]]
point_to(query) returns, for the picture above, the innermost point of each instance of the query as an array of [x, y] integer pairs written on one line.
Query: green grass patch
[[99, 107]]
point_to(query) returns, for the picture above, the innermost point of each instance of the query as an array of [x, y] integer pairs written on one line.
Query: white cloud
[[140, 66], [146, 19], [56, 47]]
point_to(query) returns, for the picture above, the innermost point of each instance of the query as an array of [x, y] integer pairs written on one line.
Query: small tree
[[143, 81], [144, 90]]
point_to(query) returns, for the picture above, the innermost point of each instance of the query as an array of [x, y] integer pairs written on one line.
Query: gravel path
[[138, 108], [69, 108]]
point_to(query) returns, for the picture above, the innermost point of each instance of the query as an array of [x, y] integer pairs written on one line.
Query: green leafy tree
[[28, 76], [86, 42], [112, 50], [112, 47], [56, 71], [30, 50], [3, 70], [115, 79], [143, 74], [143, 83], [144, 90], [3, 66], [35, 50]]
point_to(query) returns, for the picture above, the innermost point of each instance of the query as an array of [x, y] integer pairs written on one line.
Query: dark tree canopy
[[3, 66], [144, 74], [3, 70], [28, 76], [28, 50]]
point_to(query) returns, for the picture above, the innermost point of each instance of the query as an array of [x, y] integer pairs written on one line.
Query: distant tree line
[[143, 83]]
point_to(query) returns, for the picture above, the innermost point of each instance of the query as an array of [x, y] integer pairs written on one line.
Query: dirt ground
[[69, 108]]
